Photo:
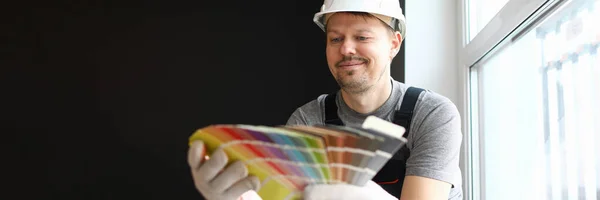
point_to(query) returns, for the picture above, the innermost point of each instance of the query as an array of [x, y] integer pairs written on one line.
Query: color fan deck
[[288, 158]]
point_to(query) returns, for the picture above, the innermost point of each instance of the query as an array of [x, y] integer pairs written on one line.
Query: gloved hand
[[371, 190], [212, 181]]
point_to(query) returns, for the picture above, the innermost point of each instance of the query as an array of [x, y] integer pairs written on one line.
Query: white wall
[[432, 60], [431, 46]]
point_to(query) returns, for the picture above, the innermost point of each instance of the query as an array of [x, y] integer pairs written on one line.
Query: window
[[534, 113], [481, 12]]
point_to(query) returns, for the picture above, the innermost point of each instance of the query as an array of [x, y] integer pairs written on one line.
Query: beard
[[358, 81], [353, 82]]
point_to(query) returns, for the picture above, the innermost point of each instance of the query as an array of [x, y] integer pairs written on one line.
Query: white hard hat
[[388, 11]]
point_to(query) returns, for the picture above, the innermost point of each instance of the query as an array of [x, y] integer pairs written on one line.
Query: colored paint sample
[[288, 158], [333, 142], [319, 158], [289, 148], [294, 154]]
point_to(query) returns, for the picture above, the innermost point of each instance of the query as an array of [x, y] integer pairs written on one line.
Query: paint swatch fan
[[288, 158]]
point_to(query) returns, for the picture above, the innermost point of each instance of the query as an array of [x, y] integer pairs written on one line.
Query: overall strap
[[403, 117], [391, 176], [331, 116]]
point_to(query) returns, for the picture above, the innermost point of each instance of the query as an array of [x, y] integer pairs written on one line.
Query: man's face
[[359, 50]]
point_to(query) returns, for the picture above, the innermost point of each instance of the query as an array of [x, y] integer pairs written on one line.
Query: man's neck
[[370, 100]]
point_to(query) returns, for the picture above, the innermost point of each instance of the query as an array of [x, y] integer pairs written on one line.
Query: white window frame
[[514, 19]]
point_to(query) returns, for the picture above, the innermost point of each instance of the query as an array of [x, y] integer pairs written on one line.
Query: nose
[[348, 48]]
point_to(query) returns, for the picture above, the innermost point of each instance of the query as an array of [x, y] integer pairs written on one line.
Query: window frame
[[514, 19]]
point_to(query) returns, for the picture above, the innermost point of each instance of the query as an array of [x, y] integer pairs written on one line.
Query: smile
[[350, 64]]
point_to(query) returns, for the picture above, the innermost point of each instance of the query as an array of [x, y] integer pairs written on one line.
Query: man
[[363, 36]]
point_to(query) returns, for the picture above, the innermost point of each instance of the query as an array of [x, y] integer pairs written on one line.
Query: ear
[[396, 43]]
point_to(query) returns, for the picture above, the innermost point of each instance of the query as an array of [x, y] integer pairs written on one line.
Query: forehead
[[342, 22]]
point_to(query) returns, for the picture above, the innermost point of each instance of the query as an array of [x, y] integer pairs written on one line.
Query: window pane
[[512, 122], [481, 12], [539, 120]]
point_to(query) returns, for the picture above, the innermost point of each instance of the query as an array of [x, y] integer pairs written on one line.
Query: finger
[[232, 174], [212, 166], [195, 154], [244, 185]]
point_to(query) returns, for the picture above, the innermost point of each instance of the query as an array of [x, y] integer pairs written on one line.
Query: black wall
[[99, 98]]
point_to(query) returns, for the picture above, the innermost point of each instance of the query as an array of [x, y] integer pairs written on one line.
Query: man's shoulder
[[433, 99], [314, 104], [427, 98], [431, 105], [309, 113]]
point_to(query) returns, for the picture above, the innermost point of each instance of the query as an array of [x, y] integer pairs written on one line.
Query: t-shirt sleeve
[[297, 118], [308, 114], [436, 144]]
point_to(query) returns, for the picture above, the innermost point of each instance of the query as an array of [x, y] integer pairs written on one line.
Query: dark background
[[98, 98]]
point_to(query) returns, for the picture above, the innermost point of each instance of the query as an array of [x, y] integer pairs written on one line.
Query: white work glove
[[212, 181], [371, 190]]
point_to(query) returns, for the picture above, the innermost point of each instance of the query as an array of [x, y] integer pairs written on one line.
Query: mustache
[[350, 58]]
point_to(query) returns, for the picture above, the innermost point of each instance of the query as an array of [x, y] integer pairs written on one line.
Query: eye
[[362, 38], [335, 40]]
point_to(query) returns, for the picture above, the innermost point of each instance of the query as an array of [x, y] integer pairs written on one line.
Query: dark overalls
[[391, 176]]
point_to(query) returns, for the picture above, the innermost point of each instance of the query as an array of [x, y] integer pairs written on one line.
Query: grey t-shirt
[[434, 140]]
